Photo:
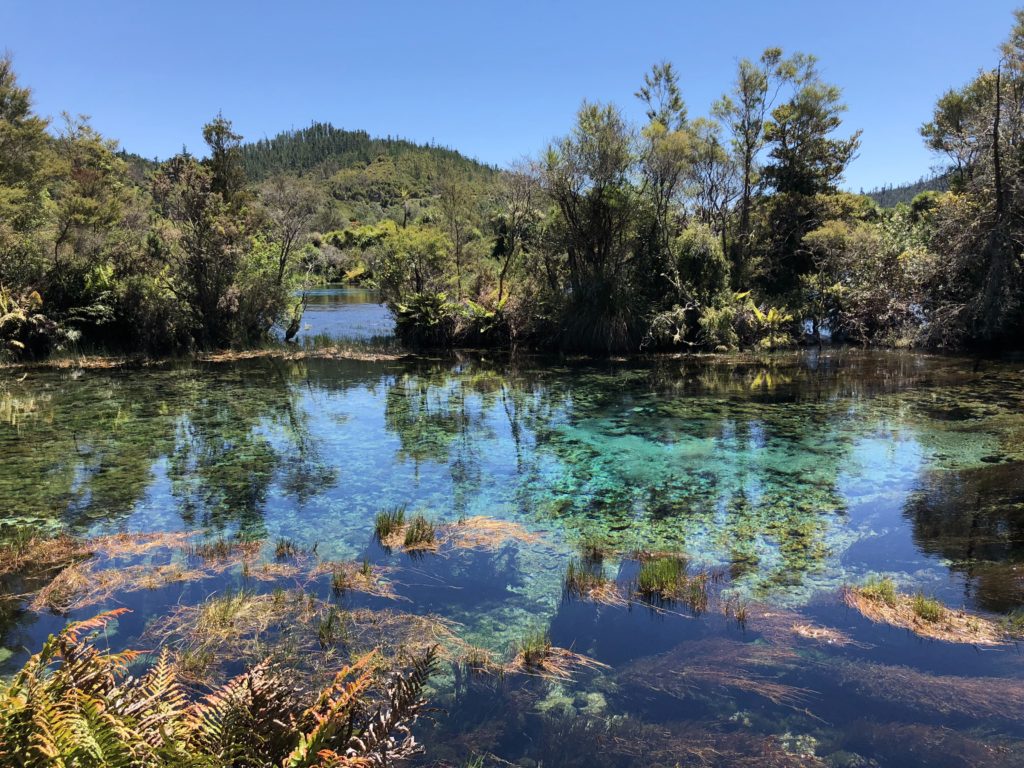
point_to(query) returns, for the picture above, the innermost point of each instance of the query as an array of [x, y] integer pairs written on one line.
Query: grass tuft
[[928, 609], [534, 647], [880, 590], [420, 532], [665, 578], [389, 521]]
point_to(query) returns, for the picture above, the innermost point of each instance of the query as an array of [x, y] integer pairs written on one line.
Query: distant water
[[342, 312]]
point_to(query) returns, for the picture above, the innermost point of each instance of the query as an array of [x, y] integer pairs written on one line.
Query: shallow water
[[788, 477]]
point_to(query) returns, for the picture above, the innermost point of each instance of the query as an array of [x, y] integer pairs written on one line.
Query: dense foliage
[[684, 232], [74, 705]]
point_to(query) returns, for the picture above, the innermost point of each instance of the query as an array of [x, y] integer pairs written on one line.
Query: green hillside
[[889, 197]]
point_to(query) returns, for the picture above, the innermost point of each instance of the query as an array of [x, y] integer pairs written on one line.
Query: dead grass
[[335, 352], [950, 625], [84, 584], [479, 532], [41, 553], [291, 627], [691, 669], [107, 362], [551, 663], [780, 626], [70, 574], [976, 698]]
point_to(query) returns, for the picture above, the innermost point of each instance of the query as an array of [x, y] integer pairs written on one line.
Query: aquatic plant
[[419, 533], [285, 549], [223, 549], [925, 616], [660, 576], [533, 647], [331, 629], [665, 578], [389, 521], [585, 579], [927, 608], [73, 704], [1013, 623], [881, 590], [736, 608]]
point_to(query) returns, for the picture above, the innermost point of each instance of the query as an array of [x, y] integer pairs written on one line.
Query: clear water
[[345, 313], [794, 475]]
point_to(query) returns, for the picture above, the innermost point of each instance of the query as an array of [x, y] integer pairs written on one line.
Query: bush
[[73, 704]]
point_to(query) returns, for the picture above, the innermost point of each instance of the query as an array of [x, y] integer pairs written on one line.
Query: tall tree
[[805, 161], [456, 198], [26, 168], [744, 111]]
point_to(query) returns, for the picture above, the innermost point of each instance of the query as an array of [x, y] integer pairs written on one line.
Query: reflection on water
[[345, 313], [794, 475]]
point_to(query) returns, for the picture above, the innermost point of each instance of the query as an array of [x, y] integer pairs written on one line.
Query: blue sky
[[494, 80]]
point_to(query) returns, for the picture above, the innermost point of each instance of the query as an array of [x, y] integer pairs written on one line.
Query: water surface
[[789, 476]]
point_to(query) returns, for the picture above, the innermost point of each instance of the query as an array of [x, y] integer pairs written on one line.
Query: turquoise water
[[787, 477]]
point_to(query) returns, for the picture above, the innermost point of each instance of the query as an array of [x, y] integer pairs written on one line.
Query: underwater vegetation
[[621, 563]]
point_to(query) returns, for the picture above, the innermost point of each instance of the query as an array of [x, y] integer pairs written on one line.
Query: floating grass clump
[[331, 629], [286, 549], [419, 534], [534, 647], [535, 654], [660, 576], [880, 590], [1014, 623], [389, 521], [928, 609], [924, 616], [665, 578], [583, 577]]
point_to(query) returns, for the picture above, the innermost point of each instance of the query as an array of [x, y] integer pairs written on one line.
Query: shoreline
[[102, 361]]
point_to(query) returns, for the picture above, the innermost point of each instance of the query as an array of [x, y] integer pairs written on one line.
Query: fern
[[75, 706]]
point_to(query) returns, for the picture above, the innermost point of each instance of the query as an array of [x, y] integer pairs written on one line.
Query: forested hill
[[326, 148], [889, 197]]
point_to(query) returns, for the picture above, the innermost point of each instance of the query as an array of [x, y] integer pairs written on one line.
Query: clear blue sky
[[493, 80]]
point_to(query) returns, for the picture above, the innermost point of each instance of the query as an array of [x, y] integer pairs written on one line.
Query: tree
[[26, 169], [225, 160], [456, 200], [588, 176], [290, 204], [714, 177], [666, 148], [805, 162], [744, 111], [516, 218]]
